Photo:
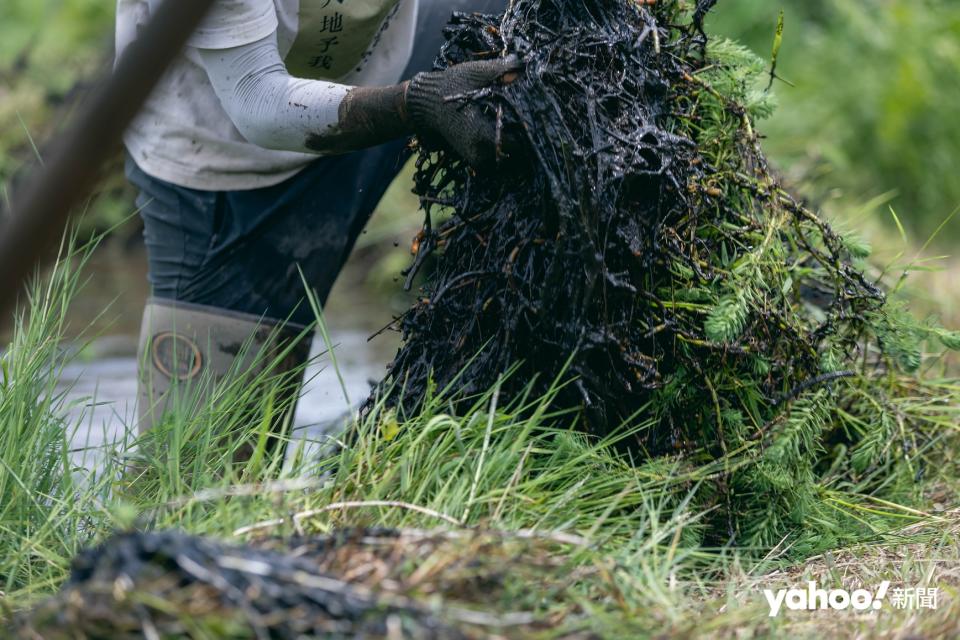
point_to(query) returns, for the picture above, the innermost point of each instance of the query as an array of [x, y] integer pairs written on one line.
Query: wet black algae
[[557, 261]]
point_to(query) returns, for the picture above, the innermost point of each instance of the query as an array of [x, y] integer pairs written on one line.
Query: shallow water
[[100, 383]]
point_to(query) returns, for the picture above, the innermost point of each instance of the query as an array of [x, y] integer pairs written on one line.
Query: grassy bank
[[557, 526]]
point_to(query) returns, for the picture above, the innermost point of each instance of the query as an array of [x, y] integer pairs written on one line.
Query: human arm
[[275, 110]]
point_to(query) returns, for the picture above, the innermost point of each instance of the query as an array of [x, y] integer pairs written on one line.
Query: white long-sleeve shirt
[[256, 80]]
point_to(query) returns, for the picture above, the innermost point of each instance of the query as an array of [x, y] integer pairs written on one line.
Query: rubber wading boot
[[186, 350]]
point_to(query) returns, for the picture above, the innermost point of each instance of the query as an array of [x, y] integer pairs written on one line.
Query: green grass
[[630, 532]]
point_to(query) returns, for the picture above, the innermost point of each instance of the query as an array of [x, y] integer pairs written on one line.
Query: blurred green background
[[50, 52], [875, 105], [46, 47], [872, 115]]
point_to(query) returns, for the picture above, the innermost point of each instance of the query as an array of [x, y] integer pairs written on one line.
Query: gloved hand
[[373, 115], [466, 127]]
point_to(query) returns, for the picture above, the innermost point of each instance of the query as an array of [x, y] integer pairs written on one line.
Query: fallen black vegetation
[[354, 583], [174, 585]]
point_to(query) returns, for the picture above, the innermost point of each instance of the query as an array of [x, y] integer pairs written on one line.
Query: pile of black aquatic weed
[[636, 247], [351, 583], [171, 585], [550, 257]]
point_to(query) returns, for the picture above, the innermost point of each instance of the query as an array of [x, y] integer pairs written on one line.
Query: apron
[[335, 37]]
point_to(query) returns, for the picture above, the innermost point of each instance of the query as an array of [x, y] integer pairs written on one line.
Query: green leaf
[[728, 319]]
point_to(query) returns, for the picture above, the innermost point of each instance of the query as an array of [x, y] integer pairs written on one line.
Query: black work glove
[[466, 127]]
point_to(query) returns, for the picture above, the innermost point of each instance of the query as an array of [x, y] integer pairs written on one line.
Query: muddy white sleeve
[[269, 107]]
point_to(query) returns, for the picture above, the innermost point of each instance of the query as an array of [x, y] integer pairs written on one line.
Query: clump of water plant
[[638, 245]]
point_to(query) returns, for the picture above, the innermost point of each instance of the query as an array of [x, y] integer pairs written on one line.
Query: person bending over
[[264, 151]]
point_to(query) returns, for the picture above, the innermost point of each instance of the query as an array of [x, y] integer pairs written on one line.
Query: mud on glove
[[466, 127]]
